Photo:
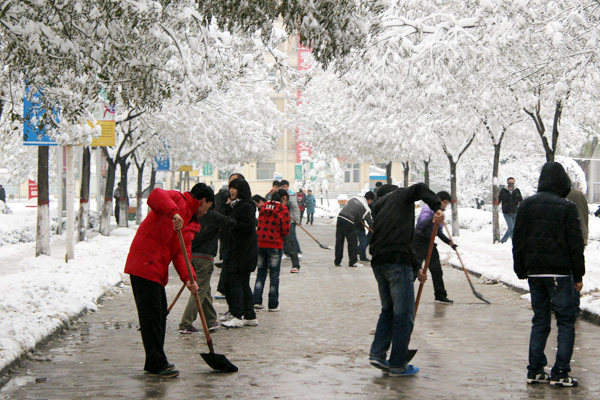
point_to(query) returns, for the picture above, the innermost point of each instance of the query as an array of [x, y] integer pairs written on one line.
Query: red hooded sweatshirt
[[156, 243], [273, 225]]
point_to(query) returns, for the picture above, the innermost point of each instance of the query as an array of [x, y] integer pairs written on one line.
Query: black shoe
[[165, 373], [565, 381], [537, 377], [365, 259], [445, 300]]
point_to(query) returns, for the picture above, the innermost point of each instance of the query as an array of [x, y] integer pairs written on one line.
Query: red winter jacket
[[273, 225], [156, 243]]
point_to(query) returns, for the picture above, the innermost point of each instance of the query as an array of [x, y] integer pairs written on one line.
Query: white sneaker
[[274, 309], [225, 317], [233, 323], [284, 257], [357, 265], [299, 255], [251, 322]]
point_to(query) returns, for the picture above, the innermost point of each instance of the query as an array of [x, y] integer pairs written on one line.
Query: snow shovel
[[411, 353], [218, 362], [477, 294], [311, 236], [175, 299]]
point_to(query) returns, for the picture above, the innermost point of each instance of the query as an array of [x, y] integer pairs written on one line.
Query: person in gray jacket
[[349, 220]]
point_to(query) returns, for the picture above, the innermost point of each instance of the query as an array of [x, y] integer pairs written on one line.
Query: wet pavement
[[316, 347]]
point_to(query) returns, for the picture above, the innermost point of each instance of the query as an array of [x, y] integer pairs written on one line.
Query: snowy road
[[315, 348]]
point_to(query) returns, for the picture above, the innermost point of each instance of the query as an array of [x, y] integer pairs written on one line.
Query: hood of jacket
[[553, 178]]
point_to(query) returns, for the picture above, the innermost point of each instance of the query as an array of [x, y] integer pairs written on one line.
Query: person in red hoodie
[[153, 248], [273, 226]]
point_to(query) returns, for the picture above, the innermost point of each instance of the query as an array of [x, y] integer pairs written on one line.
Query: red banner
[[33, 189]]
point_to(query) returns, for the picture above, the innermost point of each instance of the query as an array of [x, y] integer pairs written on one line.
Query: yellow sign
[[186, 168], [194, 173], [107, 135]]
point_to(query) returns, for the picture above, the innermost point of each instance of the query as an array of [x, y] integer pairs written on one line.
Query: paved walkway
[[315, 348]]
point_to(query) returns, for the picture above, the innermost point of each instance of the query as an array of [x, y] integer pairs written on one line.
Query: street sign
[[34, 132], [298, 170], [207, 169]]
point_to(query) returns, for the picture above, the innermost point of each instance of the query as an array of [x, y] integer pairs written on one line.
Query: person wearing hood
[[243, 255], [510, 197], [548, 252], [154, 247], [349, 220]]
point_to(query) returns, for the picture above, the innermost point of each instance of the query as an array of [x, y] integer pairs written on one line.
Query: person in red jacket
[[273, 226], [153, 248]]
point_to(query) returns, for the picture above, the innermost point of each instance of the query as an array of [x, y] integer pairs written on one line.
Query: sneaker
[[357, 264], [299, 255], [165, 373], [226, 317], [170, 366], [233, 323], [214, 327], [566, 381], [258, 307], [445, 300], [295, 270], [284, 257], [410, 370], [539, 377], [379, 363], [251, 322], [273, 309], [219, 297], [337, 265], [189, 331]]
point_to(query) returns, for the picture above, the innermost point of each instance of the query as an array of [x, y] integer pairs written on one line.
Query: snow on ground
[[40, 294]]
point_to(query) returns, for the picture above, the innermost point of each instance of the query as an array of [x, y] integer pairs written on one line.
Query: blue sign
[[34, 133], [163, 164]]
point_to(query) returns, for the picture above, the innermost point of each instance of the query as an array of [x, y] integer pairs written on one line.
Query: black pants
[[239, 296], [420, 245], [117, 210], [151, 303], [345, 231]]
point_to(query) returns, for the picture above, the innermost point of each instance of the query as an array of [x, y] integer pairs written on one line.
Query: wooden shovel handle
[[175, 299], [427, 260], [198, 304]]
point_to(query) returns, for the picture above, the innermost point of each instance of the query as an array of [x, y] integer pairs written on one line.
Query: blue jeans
[[549, 294], [269, 260], [397, 318], [510, 222], [362, 243]]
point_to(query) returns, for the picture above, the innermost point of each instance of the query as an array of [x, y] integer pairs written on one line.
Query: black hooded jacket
[[243, 241], [547, 238]]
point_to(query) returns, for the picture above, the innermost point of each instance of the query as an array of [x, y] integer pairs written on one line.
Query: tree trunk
[[138, 194], [124, 200], [406, 172], [455, 227], [42, 240], [84, 196], [152, 180], [388, 172], [426, 164], [495, 191], [107, 207]]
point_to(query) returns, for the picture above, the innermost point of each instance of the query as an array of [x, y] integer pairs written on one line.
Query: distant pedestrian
[[311, 204], [117, 196], [578, 198], [548, 251], [243, 248], [349, 220], [2, 194], [510, 197], [377, 186], [421, 240], [204, 250], [273, 227], [154, 246], [394, 268], [301, 204]]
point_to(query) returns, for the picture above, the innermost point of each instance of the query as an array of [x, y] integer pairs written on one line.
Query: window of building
[[352, 173], [224, 174], [265, 170]]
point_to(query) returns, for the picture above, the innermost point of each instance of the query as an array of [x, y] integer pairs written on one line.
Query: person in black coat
[[510, 197], [243, 255], [548, 252], [393, 263]]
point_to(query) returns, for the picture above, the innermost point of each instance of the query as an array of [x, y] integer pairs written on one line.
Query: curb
[[5, 372]]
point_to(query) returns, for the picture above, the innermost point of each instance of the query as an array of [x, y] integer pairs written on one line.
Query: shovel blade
[[219, 362], [411, 354], [480, 297]]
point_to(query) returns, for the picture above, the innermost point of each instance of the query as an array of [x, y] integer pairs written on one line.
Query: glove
[[454, 246]]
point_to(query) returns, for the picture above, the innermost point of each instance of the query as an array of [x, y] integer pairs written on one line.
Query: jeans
[[362, 243], [295, 237], [269, 261], [397, 318], [204, 268], [310, 218], [549, 294], [345, 231], [510, 222]]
